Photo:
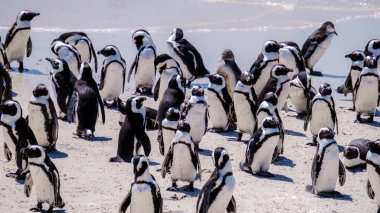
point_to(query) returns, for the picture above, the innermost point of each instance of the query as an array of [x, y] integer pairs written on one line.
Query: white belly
[[244, 115], [298, 99], [37, 124], [264, 77], [145, 75], [196, 118], [113, 82], [168, 136], [283, 96], [374, 179], [17, 48], [7, 140], [329, 171], [263, 157], [367, 95], [182, 168], [141, 199], [186, 74], [218, 116], [43, 186], [321, 49], [261, 116], [84, 51], [321, 117], [164, 82], [286, 58], [354, 77], [223, 198]]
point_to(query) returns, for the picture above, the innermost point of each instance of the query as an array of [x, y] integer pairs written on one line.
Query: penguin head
[[329, 28], [304, 78], [280, 70], [220, 157], [227, 54], [109, 50], [356, 55], [325, 89], [164, 61], [183, 126], [270, 122], [137, 102], [85, 72], [122, 106], [370, 62], [177, 82], [372, 47], [140, 165], [41, 91], [11, 111], [55, 44], [35, 153], [142, 38], [197, 90], [351, 152], [58, 64], [246, 78], [176, 35], [217, 79], [270, 47], [26, 15], [271, 98], [326, 133], [173, 114], [374, 147]]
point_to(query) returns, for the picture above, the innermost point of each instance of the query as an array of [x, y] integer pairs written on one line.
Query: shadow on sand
[[57, 154], [29, 71], [284, 161]]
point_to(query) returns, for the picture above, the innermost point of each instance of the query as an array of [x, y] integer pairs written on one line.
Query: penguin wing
[[7, 153], [370, 192], [251, 147], [234, 67], [308, 117], [314, 171], [188, 55], [103, 76], [26, 133], [126, 202], [56, 183], [167, 162], [10, 35], [93, 53], [143, 138], [53, 135], [334, 116], [257, 65], [342, 174], [156, 91], [347, 85], [133, 67], [94, 86], [124, 74], [29, 47], [203, 202], [354, 92], [4, 54], [312, 43], [28, 185], [71, 107], [199, 166], [231, 207], [270, 86]]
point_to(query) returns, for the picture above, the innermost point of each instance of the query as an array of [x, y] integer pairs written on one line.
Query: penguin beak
[[348, 56], [100, 52], [49, 59], [290, 70], [335, 33]]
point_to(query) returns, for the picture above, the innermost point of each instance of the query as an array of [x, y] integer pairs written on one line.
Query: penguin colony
[[249, 102]]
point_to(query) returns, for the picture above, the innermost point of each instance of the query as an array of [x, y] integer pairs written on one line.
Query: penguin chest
[[263, 156], [141, 199], [283, 94], [264, 77], [374, 179], [84, 51], [367, 95], [182, 168], [113, 82], [17, 47], [286, 58], [262, 115], [354, 77], [329, 171], [71, 60], [186, 73], [196, 117], [43, 187], [319, 51], [217, 114], [168, 133], [146, 72], [224, 196], [37, 123], [298, 99], [245, 117], [164, 82], [321, 117], [8, 140]]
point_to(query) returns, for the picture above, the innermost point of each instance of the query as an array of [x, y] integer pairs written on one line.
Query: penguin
[[367, 90], [327, 167], [83, 44], [166, 67], [132, 134], [261, 68], [217, 193], [218, 98], [355, 153], [84, 103], [5, 84], [301, 93], [188, 57], [143, 65], [278, 83], [3, 54], [228, 68], [316, 45], [17, 135], [182, 160], [372, 48], [144, 195], [112, 80], [246, 104], [150, 117], [290, 55], [44, 177], [42, 118], [69, 53], [321, 112], [260, 148], [373, 171], [169, 128], [18, 39], [195, 111]]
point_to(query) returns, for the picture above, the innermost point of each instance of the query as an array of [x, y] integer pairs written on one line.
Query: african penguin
[[301, 93], [355, 153], [144, 195], [150, 117], [18, 39], [316, 45], [261, 68], [5, 84], [182, 160], [69, 53], [169, 128], [290, 55], [228, 68], [217, 193], [187, 56], [44, 177], [42, 118], [143, 65], [373, 171], [112, 80], [132, 134], [372, 48], [3, 54]]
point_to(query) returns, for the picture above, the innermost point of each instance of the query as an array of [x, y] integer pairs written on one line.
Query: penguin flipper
[[7, 153], [10, 35], [308, 117], [167, 162], [199, 166], [231, 207], [102, 77], [29, 47], [370, 192], [202, 207], [133, 66], [347, 85], [126, 202], [71, 107], [28, 185], [335, 117], [311, 44], [93, 54], [156, 91], [143, 138], [314, 172], [342, 174]]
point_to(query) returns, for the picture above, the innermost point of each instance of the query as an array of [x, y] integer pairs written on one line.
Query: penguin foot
[[190, 187], [301, 116], [316, 73], [265, 174], [238, 138], [38, 208], [312, 144], [330, 194], [117, 159], [243, 167], [62, 116], [21, 67], [172, 189], [215, 130], [370, 119], [50, 210], [18, 175]]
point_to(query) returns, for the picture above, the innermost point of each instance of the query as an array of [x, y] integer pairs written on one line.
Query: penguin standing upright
[[187, 56], [84, 103], [217, 99], [62, 83], [290, 55], [372, 47], [44, 177], [42, 118], [132, 134], [316, 45], [166, 67], [143, 65], [144, 195], [182, 160], [5, 84], [18, 39], [17, 135], [3, 54], [373, 171], [169, 128], [261, 68], [355, 153], [112, 80], [301, 93], [321, 112], [246, 104], [69, 53], [217, 193], [327, 167], [150, 117], [228, 68]]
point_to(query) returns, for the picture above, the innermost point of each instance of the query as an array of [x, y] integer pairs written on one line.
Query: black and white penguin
[[143, 65], [182, 160], [83, 44], [327, 167], [17, 135], [228, 68], [132, 134], [355, 153], [3, 54], [150, 117], [290, 55], [321, 112], [372, 48], [5, 84], [144, 195], [301, 93], [217, 193], [69, 53], [18, 39], [316, 45], [44, 177], [218, 98], [261, 68], [246, 104], [367, 90], [373, 171], [42, 118], [112, 80], [169, 128], [260, 148], [167, 67], [195, 111], [84, 103], [187, 56]]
